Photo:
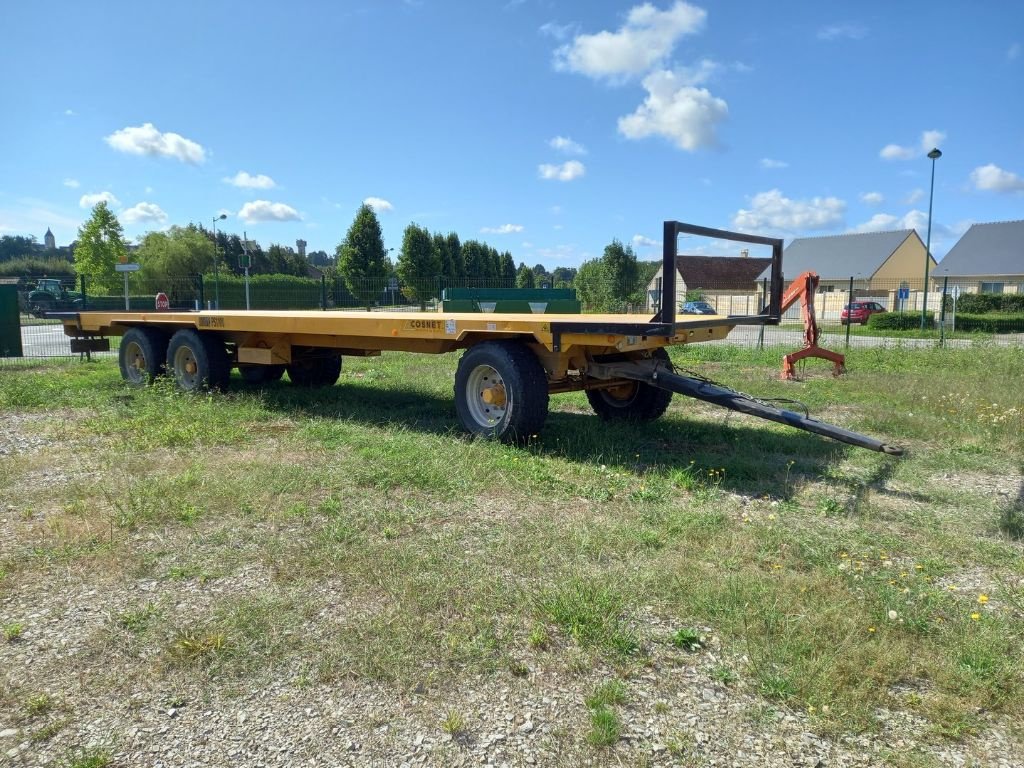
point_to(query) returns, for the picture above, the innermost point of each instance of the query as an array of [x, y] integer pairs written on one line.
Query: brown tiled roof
[[721, 272]]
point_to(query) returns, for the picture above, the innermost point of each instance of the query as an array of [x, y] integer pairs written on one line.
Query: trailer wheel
[[315, 371], [142, 355], [197, 361], [501, 391], [258, 375], [633, 401]]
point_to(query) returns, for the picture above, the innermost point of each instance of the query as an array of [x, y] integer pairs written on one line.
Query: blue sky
[[545, 128]]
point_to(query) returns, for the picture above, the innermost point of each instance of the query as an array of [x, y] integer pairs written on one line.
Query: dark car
[[859, 312], [697, 308]]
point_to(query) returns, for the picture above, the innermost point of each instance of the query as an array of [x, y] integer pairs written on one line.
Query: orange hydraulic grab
[[803, 289]]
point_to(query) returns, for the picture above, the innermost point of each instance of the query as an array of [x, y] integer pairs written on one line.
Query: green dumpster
[[10, 321]]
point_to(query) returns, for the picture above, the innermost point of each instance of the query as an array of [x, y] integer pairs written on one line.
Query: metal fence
[[850, 311]]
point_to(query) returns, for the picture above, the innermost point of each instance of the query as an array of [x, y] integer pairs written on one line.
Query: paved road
[[50, 341]]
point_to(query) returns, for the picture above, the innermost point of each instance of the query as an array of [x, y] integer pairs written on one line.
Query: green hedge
[[265, 292], [899, 321], [983, 303], [30, 266], [990, 323]]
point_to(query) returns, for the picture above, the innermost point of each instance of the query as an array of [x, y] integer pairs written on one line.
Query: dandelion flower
[[975, 616], [871, 630], [918, 567], [951, 587], [982, 599]]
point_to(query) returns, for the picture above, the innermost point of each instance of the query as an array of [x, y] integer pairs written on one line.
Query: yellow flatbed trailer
[[511, 363]]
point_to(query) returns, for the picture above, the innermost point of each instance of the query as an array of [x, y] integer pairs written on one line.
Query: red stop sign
[[162, 302]]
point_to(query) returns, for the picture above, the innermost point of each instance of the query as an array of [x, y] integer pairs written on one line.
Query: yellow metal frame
[[268, 337]]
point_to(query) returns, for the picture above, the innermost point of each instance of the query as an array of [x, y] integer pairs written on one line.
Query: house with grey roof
[[714, 276], [877, 261], [989, 258]]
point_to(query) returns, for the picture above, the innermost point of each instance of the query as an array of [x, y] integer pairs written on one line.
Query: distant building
[[49, 240], [301, 245], [875, 260], [712, 276], [989, 258]]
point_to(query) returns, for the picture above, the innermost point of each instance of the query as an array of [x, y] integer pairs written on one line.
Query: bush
[[31, 266], [265, 292], [992, 323], [899, 321], [983, 303]]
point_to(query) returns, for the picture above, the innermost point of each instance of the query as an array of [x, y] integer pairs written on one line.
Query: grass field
[[354, 534]]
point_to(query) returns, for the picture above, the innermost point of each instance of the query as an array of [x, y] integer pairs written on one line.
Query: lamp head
[[935, 154], [224, 215]]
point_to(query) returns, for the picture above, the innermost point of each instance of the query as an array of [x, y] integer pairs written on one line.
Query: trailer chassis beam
[[656, 374]]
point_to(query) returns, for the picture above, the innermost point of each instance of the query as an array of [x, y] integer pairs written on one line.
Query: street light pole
[[216, 268], [935, 154]]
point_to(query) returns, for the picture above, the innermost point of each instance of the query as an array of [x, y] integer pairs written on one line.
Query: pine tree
[[508, 269], [458, 262], [361, 259], [418, 265]]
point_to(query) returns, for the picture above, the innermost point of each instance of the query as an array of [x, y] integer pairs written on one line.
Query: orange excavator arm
[[803, 290]]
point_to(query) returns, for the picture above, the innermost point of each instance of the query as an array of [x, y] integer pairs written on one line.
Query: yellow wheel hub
[[190, 367], [494, 396]]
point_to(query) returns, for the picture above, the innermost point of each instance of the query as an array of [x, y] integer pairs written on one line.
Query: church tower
[[49, 240]]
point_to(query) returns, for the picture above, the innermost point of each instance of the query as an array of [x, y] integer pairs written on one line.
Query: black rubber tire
[[206, 352], [258, 375], [315, 372], [142, 355], [645, 403], [525, 388]]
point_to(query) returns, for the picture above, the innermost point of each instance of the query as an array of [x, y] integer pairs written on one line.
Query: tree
[[100, 246], [621, 270], [592, 286], [476, 258], [361, 259], [418, 265], [444, 257], [16, 246], [458, 262], [562, 277], [171, 258], [508, 268], [524, 277]]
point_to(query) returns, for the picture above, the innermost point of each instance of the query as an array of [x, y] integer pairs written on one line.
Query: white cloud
[[644, 241], [73, 183], [144, 212], [929, 140], [567, 171], [915, 196], [148, 190], [992, 178], [147, 140], [772, 210], [567, 145], [681, 113], [504, 229], [767, 162], [264, 210], [896, 152], [557, 31], [1013, 52], [379, 204], [90, 200], [847, 30], [915, 219], [247, 181], [880, 222], [644, 41], [873, 198], [70, 113]]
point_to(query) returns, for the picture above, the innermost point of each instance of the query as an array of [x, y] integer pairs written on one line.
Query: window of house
[[991, 287]]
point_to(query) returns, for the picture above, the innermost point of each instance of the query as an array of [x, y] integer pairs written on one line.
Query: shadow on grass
[[753, 460]]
